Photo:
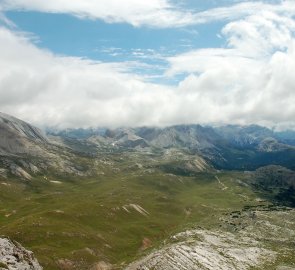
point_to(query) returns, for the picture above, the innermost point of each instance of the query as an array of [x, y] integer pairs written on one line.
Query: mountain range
[[178, 197], [225, 147], [230, 147]]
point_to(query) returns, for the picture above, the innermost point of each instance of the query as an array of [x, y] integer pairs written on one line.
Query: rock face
[[19, 137], [15, 257], [201, 249], [26, 151], [248, 239]]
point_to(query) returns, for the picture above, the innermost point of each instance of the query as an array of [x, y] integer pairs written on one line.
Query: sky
[[114, 63]]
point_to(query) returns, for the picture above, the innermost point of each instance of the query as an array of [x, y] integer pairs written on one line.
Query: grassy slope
[[82, 219]]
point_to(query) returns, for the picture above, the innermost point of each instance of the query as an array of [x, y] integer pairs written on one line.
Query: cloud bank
[[249, 80]]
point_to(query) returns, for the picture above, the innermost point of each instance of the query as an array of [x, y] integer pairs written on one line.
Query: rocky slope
[[15, 257], [259, 241], [19, 137], [25, 151], [202, 249]]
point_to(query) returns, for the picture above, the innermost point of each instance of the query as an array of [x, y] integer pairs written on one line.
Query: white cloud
[[250, 80], [158, 13], [5, 21], [154, 13], [43, 88]]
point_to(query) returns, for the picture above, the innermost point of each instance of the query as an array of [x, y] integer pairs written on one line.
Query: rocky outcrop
[[21, 127], [201, 249], [19, 137], [247, 239], [15, 257], [20, 172], [25, 151]]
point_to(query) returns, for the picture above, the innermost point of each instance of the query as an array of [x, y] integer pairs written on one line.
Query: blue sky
[[67, 35], [157, 62]]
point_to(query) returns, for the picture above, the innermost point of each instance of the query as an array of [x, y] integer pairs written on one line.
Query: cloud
[[5, 21], [47, 89], [249, 80], [152, 13], [159, 13]]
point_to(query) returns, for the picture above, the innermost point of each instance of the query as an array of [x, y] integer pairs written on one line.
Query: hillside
[[148, 198], [26, 151], [18, 137]]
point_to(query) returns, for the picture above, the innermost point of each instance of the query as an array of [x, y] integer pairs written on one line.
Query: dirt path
[[224, 187]]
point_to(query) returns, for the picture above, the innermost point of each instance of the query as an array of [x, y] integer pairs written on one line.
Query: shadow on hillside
[[276, 184]]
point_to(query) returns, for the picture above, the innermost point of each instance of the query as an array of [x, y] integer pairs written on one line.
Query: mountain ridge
[[131, 189], [230, 147], [226, 147], [18, 136]]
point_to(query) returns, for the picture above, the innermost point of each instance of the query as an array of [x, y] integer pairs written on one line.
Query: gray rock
[[15, 257], [20, 172], [19, 137]]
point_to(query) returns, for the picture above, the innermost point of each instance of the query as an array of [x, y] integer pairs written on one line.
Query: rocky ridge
[[26, 151], [19, 137]]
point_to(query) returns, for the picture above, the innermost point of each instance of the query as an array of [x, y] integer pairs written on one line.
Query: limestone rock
[[15, 257]]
